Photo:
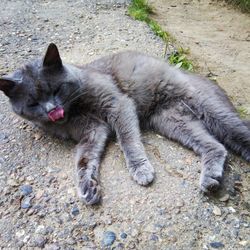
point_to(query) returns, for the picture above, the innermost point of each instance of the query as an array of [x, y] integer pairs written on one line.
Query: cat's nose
[[49, 106]]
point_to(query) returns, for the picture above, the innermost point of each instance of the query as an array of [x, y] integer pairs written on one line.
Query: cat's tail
[[216, 111]]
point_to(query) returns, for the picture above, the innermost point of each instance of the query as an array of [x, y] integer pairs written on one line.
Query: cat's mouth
[[56, 114]]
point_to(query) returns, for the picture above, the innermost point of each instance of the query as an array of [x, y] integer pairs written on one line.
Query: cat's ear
[[6, 85], [52, 57]]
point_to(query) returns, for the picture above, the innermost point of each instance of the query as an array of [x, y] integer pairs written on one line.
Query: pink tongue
[[56, 114]]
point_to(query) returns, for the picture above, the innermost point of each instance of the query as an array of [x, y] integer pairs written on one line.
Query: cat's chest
[[56, 130]]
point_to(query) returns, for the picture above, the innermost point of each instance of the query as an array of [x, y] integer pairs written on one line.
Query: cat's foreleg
[[124, 120], [193, 134], [88, 157]]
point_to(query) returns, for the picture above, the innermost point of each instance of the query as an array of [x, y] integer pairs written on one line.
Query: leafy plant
[[179, 59], [141, 10], [243, 112]]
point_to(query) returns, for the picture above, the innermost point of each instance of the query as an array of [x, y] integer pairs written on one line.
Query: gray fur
[[118, 94]]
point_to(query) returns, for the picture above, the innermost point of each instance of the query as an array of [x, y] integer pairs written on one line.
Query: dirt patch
[[218, 37]]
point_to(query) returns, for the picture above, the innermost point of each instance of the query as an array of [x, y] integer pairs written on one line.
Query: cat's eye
[[57, 91]]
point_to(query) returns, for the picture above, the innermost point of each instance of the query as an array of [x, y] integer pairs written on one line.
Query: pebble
[[41, 229], [232, 210], [26, 190], [124, 235], [154, 237], [108, 238], [217, 211], [39, 194], [119, 246], [37, 136], [244, 243], [30, 212], [216, 244], [52, 247], [26, 203], [85, 238], [12, 183], [75, 211], [26, 239], [20, 233], [225, 198], [40, 241]]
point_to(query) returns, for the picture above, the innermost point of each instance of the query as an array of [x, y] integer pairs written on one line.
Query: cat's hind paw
[[89, 190], [143, 174]]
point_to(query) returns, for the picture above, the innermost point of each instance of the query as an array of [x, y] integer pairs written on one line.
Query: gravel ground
[[39, 207]]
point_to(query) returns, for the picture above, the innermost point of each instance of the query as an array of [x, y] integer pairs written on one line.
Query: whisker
[[73, 98], [72, 94]]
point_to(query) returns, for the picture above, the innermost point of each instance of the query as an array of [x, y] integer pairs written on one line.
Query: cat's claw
[[211, 177], [89, 191], [210, 183], [143, 174]]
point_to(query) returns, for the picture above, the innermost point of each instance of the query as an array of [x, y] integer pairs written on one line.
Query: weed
[[141, 10], [244, 5], [179, 59], [243, 112]]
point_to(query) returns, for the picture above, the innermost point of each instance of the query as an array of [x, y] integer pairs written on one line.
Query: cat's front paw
[[89, 190], [143, 174], [210, 180]]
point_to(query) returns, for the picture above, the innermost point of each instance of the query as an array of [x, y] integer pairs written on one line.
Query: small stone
[[217, 211], [26, 238], [26, 190], [53, 170], [20, 233], [243, 243], [124, 235], [37, 136], [108, 238], [30, 212], [41, 230], [40, 241], [232, 210], [216, 244], [154, 237], [25, 204], [180, 204], [52, 247], [75, 211], [12, 183], [119, 246], [225, 198], [70, 241], [84, 238]]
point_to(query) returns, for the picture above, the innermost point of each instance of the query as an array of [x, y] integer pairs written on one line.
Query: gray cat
[[118, 94]]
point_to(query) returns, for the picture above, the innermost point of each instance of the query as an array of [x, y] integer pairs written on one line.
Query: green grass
[[142, 11], [244, 5], [179, 59], [243, 113]]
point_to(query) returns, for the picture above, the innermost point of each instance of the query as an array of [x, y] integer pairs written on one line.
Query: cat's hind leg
[[191, 133], [88, 157]]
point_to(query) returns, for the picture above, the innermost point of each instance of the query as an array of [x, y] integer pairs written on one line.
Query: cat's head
[[42, 90]]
